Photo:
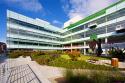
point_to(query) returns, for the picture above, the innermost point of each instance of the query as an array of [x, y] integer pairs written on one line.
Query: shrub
[[74, 55], [53, 52], [55, 56], [58, 52], [43, 59], [64, 56], [61, 62], [94, 77], [15, 54], [70, 77], [58, 62], [37, 53], [117, 53], [25, 53], [93, 58]]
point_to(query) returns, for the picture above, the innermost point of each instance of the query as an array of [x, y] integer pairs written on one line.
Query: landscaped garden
[[74, 60], [71, 60]]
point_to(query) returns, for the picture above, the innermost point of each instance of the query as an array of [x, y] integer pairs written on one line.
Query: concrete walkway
[[23, 70], [16, 71], [108, 63], [22, 74], [122, 65]]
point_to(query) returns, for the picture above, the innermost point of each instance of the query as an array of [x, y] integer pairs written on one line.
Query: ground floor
[[114, 41]]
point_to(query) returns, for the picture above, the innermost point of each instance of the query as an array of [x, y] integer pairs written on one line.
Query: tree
[[99, 49]]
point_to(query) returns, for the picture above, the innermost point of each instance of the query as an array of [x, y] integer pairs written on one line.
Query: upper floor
[[104, 21]]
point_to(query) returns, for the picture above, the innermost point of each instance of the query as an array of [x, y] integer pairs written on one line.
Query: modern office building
[[35, 34]]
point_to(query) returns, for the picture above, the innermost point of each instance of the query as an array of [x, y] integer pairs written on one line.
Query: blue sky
[[54, 11]]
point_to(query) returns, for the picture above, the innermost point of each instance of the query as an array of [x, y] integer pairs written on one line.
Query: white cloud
[[31, 5], [56, 22], [84, 7], [96, 5]]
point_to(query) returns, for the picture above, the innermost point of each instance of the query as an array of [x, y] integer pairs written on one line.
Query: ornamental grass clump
[[70, 77], [94, 77]]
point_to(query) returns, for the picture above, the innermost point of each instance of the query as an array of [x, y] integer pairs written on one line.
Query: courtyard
[[54, 67]]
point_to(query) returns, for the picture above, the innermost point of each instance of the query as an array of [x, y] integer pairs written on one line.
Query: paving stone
[[19, 74]]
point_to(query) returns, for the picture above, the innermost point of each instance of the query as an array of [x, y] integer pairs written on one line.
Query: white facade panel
[[22, 18], [111, 10], [120, 6], [31, 30]]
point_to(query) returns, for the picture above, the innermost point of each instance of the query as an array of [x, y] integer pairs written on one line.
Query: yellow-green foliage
[[86, 57], [66, 57]]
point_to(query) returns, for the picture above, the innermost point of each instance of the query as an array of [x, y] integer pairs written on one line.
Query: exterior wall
[[27, 33]]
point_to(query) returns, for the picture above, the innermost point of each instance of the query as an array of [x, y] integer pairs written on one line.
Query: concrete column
[[106, 50], [84, 48], [106, 39], [71, 44], [84, 41], [62, 47], [71, 47]]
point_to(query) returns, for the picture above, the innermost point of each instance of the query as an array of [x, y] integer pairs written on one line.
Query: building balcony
[[11, 46], [75, 47], [31, 38]]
